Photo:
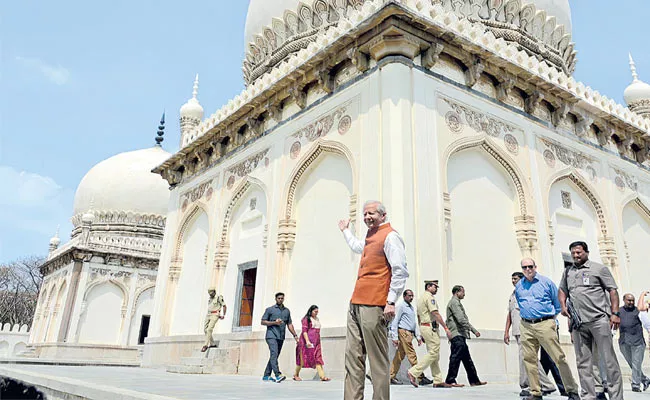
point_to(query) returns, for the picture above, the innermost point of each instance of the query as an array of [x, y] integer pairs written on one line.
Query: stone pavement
[[139, 383]]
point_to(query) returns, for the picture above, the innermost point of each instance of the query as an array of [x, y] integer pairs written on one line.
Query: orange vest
[[373, 279]]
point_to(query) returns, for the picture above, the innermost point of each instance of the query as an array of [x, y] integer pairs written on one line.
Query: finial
[[635, 76], [161, 131], [56, 235], [195, 88]]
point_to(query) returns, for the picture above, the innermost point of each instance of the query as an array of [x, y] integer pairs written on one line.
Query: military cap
[[212, 289]]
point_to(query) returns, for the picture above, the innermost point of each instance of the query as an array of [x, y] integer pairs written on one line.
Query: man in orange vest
[[382, 276]]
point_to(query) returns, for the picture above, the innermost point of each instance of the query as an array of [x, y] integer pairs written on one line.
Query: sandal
[[326, 379], [297, 378]]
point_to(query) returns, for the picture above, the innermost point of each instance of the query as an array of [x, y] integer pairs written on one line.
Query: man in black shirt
[[276, 319], [632, 343]]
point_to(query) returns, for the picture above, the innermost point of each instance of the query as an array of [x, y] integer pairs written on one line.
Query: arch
[[322, 146], [4, 348], [139, 293], [102, 316], [500, 157], [572, 175], [52, 334], [635, 200], [186, 222], [19, 348], [120, 285], [238, 194]]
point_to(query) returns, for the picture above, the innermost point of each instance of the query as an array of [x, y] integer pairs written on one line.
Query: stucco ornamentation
[[479, 121], [511, 144], [567, 156]]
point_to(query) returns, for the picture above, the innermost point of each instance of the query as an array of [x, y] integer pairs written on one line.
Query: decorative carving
[[454, 122], [298, 95], [623, 178], [526, 234], [431, 55], [249, 165], [567, 156], [446, 201], [474, 70], [321, 126], [195, 193], [566, 200], [583, 125], [344, 124], [394, 42], [533, 100], [620, 183], [481, 122], [593, 176], [511, 143], [294, 152], [560, 113], [286, 234], [359, 60], [506, 83], [325, 79], [551, 233], [549, 157]]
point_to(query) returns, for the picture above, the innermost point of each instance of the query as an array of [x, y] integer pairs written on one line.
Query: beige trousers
[[544, 334], [432, 358], [210, 322], [367, 335], [404, 349]]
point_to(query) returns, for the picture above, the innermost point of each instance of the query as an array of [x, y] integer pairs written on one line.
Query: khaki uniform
[[429, 330], [215, 305], [588, 288]]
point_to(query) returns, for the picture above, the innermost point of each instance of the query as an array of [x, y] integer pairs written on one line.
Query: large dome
[[277, 28], [125, 183]]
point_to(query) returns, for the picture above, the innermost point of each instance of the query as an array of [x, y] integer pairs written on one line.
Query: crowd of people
[[587, 296]]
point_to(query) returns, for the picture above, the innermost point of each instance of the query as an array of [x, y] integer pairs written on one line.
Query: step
[[193, 361], [185, 369]]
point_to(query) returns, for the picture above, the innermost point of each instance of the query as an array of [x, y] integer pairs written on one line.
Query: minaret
[[637, 95], [191, 114], [54, 242]]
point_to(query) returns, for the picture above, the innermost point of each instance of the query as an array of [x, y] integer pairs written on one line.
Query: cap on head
[[212, 289], [428, 284]]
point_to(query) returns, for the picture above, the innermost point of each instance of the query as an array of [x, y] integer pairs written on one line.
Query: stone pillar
[[69, 303]]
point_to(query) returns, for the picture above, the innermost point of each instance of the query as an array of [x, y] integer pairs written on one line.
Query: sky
[[81, 81]]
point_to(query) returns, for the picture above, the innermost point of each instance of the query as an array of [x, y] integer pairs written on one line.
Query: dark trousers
[[275, 347], [460, 353], [549, 365]]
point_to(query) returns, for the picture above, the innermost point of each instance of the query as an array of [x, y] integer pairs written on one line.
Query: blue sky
[[82, 81]]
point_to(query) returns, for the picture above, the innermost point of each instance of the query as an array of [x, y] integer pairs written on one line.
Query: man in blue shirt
[[538, 302], [276, 318]]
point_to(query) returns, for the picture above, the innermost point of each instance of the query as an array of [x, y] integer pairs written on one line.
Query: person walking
[[587, 285], [460, 328], [632, 343], [402, 331], [537, 297], [381, 278], [429, 320], [216, 311], [513, 320], [276, 319], [309, 353]]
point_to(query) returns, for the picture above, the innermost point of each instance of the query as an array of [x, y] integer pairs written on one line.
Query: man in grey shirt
[[276, 319], [588, 285]]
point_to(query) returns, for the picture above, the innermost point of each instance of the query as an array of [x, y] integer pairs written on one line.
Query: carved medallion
[[620, 183], [209, 193], [295, 150], [566, 200], [231, 182], [185, 204], [549, 157], [344, 124], [267, 162], [453, 122], [592, 173], [511, 144]]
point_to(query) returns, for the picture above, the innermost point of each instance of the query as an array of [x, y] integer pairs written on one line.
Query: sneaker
[[646, 384], [524, 393], [601, 396], [280, 378], [547, 392], [636, 389], [425, 381], [576, 396], [394, 381], [268, 379]]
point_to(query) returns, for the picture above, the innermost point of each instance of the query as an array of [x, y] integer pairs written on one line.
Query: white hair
[[381, 208]]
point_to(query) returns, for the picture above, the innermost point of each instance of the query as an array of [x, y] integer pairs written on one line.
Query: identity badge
[[585, 279]]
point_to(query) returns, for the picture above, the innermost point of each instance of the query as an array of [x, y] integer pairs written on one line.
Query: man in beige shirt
[[216, 311]]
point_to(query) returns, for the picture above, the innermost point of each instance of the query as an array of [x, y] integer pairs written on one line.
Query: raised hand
[[344, 224]]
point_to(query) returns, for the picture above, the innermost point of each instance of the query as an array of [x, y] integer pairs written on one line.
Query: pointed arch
[[306, 162], [635, 200], [239, 193], [138, 294], [507, 164], [120, 285], [581, 183], [186, 222]]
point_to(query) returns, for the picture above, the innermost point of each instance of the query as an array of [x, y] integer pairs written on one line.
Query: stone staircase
[[29, 352], [220, 360]]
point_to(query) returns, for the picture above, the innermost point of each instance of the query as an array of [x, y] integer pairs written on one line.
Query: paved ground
[[138, 383]]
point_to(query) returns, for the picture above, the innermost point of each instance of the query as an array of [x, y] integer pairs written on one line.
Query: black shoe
[[601, 396], [646, 384], [394, 381], [533, 397], [524, 393], [636, 389], [564, 394], [575, 396], [547, 392], [425, 381]]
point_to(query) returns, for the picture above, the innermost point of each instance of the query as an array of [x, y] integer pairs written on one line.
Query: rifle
[[574, 318]]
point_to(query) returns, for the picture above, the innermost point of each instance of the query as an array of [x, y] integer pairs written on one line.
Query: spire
[[161, 131], [195, 88], [55, 241], [635, 76]]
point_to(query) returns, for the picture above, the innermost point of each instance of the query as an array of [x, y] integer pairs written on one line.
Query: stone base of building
[[88, 352]]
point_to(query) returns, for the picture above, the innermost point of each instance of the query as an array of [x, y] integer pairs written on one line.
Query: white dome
[[125, 183], [192, 109], [638, 90]]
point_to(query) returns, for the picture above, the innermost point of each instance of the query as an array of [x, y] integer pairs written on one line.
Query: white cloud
[[55, 74]]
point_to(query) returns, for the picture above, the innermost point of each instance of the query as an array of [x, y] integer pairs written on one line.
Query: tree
[[20, 283]]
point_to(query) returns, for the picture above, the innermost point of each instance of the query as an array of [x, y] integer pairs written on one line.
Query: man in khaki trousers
[[381, 278], [430, 319], [538, 301], [215, 306]]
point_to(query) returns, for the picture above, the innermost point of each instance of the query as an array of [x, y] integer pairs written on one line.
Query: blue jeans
[[275, 347]]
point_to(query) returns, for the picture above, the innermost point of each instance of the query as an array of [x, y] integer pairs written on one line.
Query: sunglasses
[[527, 266]]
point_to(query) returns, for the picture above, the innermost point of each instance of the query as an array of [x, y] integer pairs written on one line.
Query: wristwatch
[[390, 303], [618, 314]]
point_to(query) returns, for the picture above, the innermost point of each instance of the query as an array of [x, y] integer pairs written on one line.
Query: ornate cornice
[[112, 256]]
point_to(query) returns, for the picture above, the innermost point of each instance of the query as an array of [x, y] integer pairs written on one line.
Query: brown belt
[[425, 324], [214, 312]]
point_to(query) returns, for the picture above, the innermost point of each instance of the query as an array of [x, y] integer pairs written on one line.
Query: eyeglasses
[[527, 266]]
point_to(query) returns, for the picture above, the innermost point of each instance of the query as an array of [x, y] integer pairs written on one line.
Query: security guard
[[429, 319], [215, 306], [588, 285]]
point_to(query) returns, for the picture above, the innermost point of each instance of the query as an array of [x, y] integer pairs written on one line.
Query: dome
[[638, 91], [193, 109], [277, 28], [125, 183]]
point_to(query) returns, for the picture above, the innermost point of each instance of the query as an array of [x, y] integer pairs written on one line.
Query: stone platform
[[104, 383], [222, 360]]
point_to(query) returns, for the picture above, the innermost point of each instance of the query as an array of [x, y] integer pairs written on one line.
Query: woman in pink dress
[[308, 350]]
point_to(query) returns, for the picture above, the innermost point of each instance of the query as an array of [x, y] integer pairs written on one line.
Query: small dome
[[124, 183], [193, 109], [638, 90], [55, 241]]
